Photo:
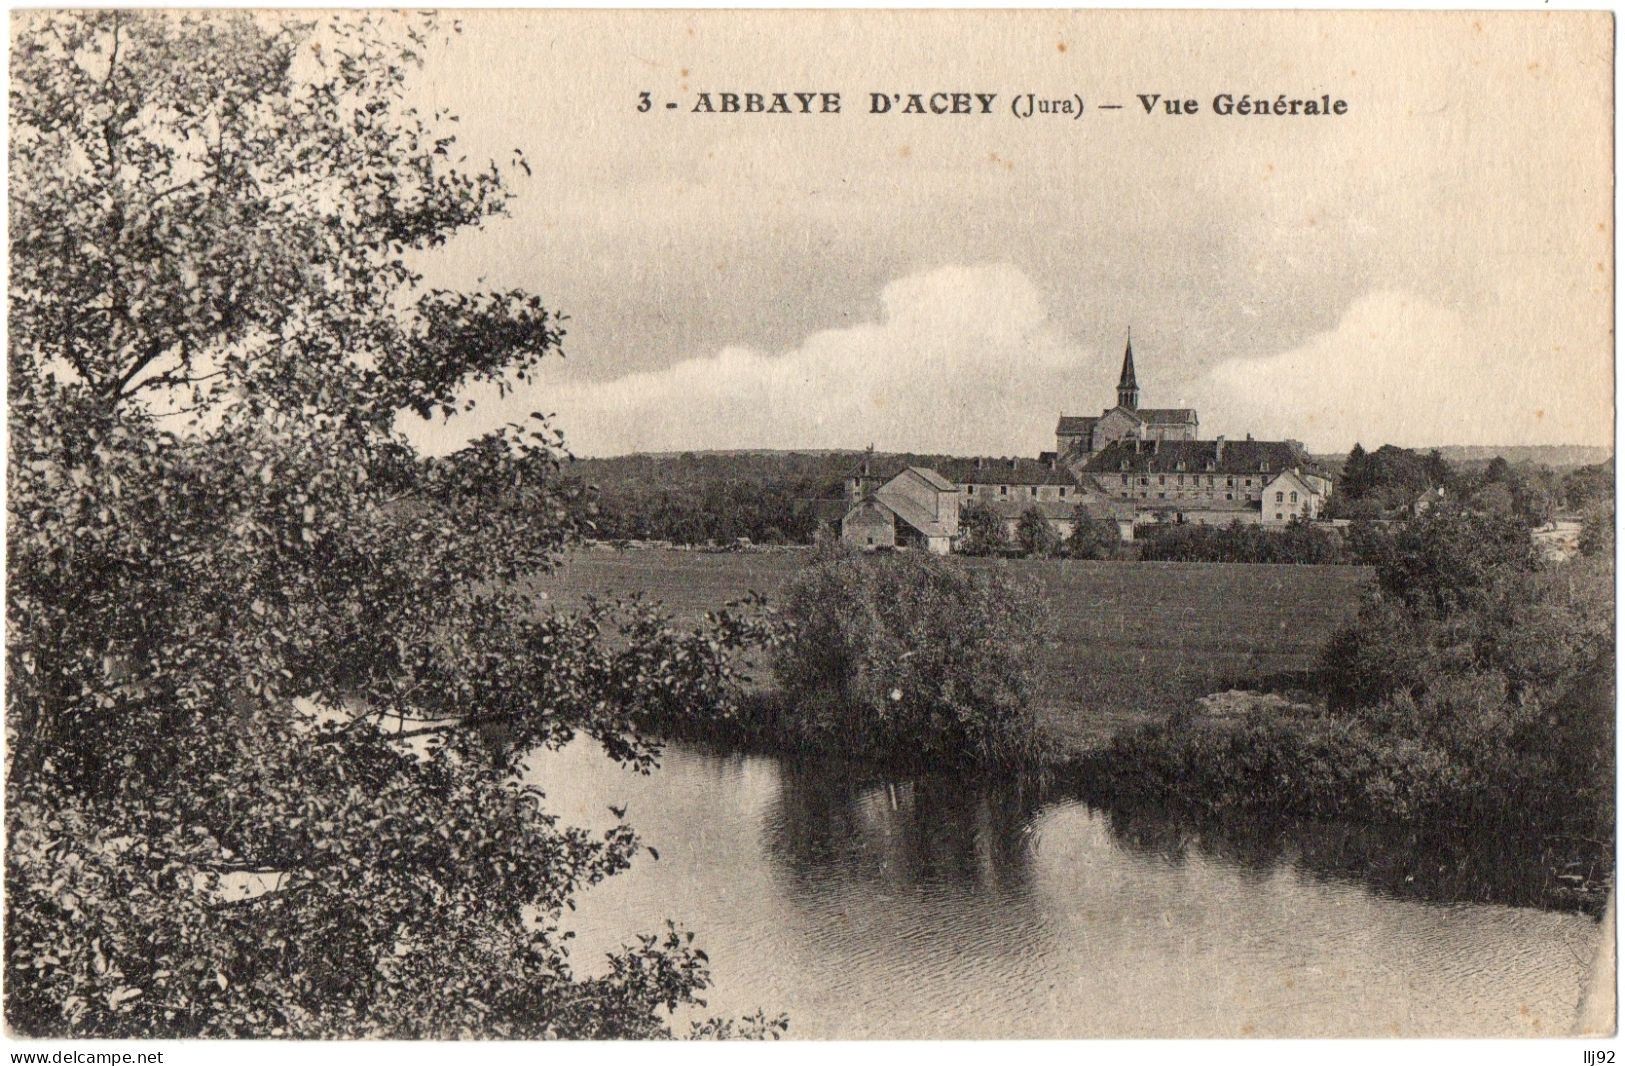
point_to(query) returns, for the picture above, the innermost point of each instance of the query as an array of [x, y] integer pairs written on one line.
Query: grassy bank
[[1132, 642]]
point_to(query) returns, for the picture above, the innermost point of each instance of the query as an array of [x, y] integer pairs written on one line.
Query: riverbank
[[1145, 646], [1132, 643]]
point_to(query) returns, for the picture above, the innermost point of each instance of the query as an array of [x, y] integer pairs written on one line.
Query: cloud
[[1398, 369], [962, 359], [969, 360]]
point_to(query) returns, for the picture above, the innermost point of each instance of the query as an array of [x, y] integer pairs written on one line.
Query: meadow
[[1130, 642]]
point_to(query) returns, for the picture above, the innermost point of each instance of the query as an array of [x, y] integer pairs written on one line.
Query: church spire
[[1128, 390]]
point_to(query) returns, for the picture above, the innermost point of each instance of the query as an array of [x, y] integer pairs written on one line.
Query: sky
[[1433, 267]]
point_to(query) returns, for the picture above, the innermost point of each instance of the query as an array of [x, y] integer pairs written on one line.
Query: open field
[[1132, 641]]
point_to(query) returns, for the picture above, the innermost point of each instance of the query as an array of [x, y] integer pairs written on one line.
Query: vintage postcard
[[809, 524]]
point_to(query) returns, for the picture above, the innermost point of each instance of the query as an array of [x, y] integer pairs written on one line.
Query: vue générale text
[[969, 103]]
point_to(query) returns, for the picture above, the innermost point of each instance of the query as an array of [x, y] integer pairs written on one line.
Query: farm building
[[916, 507], [889, 507]]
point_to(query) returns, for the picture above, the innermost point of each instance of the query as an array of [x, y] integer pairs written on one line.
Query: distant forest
[[699, 497], [779, 497]]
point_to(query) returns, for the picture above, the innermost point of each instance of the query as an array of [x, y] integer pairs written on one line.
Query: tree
[[1585, 485], [1090, 538], [1597, 530], [911, 658], [1356, 479], [1035, 536], [981, 531], [272, 674]]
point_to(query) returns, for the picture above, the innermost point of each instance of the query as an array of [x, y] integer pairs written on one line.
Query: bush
[[1597, 529], [910, 657], [1296, 542], [981, 531], [1473, 695], [1035, 536], [1091, 538]]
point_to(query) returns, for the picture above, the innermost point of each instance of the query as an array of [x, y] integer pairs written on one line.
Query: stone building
[[1128, 465], [1077, 437], [1152, 459], [891, 507], [1211, 482], [914, 508]]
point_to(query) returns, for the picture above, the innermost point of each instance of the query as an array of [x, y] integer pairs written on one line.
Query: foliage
[[271, 684], [1296, 542], [911, 657], [1587, 485], [1390, 477], [1035, 536], [1597, 529], [690, 499], [1091, 538], [981, 531], [1474, 692], [1451, 559]]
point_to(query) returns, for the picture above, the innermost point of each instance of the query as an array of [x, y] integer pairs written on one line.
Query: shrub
[[1597, 529], [981, 531], [1035, 536], [1091, 538], [1296, 542], [911, 657], [1474, 695]]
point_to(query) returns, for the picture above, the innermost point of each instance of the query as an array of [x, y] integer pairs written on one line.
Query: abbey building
[[1084, 435], [1154, 460], [1129, 465]]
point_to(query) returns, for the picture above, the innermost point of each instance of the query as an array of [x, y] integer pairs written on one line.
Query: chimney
[[1218, 450], [1015, 464], [981, 463]]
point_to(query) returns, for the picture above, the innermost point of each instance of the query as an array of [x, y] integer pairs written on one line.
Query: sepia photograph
[[809, 525]]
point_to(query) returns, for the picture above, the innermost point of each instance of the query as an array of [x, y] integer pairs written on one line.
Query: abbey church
[[1084, 435]]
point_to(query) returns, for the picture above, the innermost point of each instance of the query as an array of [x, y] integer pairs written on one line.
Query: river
[[934, 907]]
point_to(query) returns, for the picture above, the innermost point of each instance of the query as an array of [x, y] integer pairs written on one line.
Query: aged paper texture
[[1051, 525]]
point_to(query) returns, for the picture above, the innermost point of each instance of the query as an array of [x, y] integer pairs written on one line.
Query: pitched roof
[[1166, 415], [932, 478], [1006, 472], [1298, 478], [910, 512], [1193, 457], [1075, 425]]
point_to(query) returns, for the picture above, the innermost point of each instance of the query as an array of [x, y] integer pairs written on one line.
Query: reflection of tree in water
[[1443, 869], [830, 820]]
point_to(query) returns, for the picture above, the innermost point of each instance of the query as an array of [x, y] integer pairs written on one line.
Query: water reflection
[[1500, 870], [944, 906], [924, 831]]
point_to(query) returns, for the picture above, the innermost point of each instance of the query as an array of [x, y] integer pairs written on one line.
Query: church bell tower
[[1128, 391]]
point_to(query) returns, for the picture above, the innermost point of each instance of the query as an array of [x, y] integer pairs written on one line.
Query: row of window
[[1162, 479], [1125, 464], [1004, 490], [1145, 494]]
